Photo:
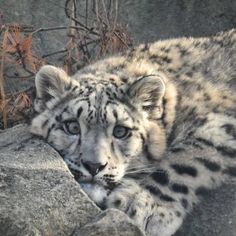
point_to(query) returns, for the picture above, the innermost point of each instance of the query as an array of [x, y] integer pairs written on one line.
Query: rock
[[147, 20], [39, 196], [157, 19], [104, 223], [214, 216]]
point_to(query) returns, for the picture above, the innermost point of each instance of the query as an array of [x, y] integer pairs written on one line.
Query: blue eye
[[72, 127], [120, 131]]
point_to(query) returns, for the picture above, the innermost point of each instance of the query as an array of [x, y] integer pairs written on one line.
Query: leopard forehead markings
[[146, 132]]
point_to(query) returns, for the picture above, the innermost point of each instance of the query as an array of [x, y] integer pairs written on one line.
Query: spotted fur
[[148, 131]]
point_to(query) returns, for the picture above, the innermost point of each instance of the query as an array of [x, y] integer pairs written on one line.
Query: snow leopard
[[147, 131]]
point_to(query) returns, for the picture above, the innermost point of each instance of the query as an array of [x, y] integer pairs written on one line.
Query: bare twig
[[2, 91], [91, 30], [22, 59], [55, 53], [56, 28]]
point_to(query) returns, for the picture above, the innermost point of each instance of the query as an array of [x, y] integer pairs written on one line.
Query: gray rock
[[103, 225], [39, 196], [38, 14], [147, 20], [161, 19], [214, 216]]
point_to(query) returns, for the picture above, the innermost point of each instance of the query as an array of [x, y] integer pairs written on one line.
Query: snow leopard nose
[[93, 168]]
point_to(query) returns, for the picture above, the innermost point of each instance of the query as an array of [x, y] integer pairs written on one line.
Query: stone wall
[[147, 20]]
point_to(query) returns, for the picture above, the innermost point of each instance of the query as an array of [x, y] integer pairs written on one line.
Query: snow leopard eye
[[72, 127], [120, 131]]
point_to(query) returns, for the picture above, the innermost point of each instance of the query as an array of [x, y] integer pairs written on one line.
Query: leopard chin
[[96, 192]]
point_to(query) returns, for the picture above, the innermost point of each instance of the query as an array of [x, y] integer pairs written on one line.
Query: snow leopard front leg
[[152, 217], [159, 201]]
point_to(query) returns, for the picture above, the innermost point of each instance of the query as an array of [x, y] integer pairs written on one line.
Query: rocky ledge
[[39, 196]]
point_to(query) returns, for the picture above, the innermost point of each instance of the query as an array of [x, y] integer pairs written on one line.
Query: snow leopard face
[[103, 131]]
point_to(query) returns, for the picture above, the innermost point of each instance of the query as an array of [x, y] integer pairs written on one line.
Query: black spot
[[177, 149], [120, 67], [45, 123], [184, 203], [75, 87], [167, 198], [178, 214], [200, 121], [171, 70], [166, 59], [144, 48], [143, 141], [129, 135], [132, 213], [161, 215], [153, 190], [206, 97], [184, 169], [112, 147], [156, 59], [160, 176], [227, 151], [230, 129], [196, 44], [230, 171], [79, 142], [58, 118], [209, 164], [183, 52], [90, 113], [201, 191], [117, 202], [157, 192], [206, 142], [167, 50], [114, 95], [79, 111], [179, 188], [162, 49], [124, 79], [49, 131], [189, 74]]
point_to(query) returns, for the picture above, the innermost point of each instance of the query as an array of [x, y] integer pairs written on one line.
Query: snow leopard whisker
[[140, 166], [144, 170]]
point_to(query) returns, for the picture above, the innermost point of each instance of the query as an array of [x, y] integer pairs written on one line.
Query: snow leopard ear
[[51, 82], [147, 94]]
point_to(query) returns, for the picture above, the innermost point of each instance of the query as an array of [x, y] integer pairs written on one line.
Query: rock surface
[[147, 20], [214, 216], [39, 196], [104, 223]]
